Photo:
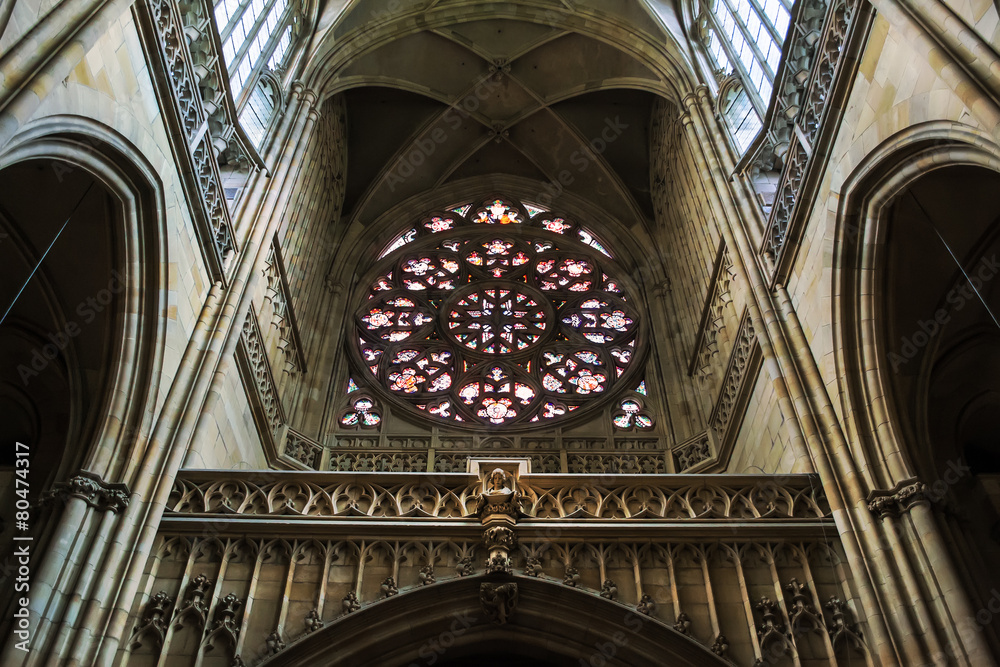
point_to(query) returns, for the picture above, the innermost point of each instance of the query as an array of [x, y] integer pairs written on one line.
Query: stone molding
[[706, 346], [692, 452], [93, 490], [268, 411], [283, 317], [743, 498]]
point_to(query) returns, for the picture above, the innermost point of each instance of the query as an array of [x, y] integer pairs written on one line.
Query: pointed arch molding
[[396, 630], [121, 168], [659, 52], [858, 266]]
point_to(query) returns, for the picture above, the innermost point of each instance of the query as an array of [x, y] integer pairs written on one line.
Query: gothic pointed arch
[[447, 620], [109, 308], [916, 302]]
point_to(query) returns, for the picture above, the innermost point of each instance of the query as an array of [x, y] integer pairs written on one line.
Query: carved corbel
[[499, 601]]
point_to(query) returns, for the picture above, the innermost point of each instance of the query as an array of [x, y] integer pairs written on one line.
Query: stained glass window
[[497, 315]]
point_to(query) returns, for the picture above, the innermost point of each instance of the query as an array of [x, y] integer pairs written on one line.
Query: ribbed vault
[[439, 91]]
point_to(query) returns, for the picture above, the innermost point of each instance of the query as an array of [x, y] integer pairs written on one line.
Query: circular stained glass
[[496, 318], [499, 316]]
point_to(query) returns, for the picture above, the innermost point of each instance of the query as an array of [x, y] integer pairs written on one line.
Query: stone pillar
[[795, 400], [46, 55]]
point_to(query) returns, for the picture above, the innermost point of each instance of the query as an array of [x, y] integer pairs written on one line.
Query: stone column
[[46, 55], [178, 427], [967, 63], [782, 364]]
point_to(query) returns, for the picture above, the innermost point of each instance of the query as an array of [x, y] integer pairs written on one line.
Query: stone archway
[[550, 622], [916, 348]]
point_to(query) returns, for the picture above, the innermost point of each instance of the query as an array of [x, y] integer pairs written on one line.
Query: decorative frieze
[[705, 497], [92, 489]]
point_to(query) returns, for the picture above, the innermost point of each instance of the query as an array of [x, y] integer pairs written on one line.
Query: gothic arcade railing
[[824, 36], [374, 452], [185, 62], [748, 566]]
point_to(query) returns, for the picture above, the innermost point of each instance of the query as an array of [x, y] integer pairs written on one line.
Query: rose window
[[499, 316]]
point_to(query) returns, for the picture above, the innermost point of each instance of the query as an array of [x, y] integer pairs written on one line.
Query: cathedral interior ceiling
[[527, 89]]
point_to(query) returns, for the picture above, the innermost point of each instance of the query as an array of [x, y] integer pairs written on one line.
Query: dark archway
[[552, 625], [918, 346]]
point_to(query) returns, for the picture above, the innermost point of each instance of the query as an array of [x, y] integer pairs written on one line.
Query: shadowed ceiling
[[438, 92]]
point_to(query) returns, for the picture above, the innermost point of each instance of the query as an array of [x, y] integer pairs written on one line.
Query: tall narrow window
[[254, 34], [743, 39], [256, 115]]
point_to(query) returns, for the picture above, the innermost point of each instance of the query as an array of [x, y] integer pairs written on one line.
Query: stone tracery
[[480, 325]]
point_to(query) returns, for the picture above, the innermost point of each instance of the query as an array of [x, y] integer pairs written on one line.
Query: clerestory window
[[743, 39], [255, 34]]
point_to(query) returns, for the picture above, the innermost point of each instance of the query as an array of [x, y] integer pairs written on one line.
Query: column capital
[[899, 499], [89, 487]]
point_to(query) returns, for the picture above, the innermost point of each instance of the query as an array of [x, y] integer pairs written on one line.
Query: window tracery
[[743, 39], [497, 315]]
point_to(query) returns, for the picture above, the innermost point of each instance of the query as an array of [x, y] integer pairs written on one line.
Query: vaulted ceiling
[[554, 92]]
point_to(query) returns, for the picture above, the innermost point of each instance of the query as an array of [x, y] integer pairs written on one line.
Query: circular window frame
[[526, 231]]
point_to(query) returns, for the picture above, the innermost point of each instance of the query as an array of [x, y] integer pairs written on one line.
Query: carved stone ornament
[[389, 587], [609, 591], [683, 624], [772, 630], [313, 621], [92, 489], [154, 622], [646, 605], [498, 600], [721, 646], [895, 502], [499, 496], [801, 613], [532, 566], [350, 603], [499, 537], [842, 630], [572, 577], [498, 564], [197, 594], [465, 567], [426, 575], [274, 643], [226, 628]]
